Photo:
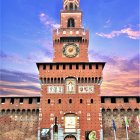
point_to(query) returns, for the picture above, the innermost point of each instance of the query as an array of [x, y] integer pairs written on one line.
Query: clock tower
[[70, 85], [71, 40]]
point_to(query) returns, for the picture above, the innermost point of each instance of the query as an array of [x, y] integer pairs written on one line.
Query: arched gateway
[[70, 137]]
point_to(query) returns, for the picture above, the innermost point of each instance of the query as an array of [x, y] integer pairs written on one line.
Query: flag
[[126, 122], [114, 125]]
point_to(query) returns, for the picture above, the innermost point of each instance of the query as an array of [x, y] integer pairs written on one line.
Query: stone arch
[[70, 137]]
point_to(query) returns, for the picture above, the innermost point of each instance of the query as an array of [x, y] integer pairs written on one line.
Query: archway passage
[[70, 137]]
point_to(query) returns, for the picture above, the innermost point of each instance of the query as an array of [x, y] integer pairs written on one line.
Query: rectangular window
[[50, 67], [57, 67], [83, 66], [77, 66], [113, 100], [21, 100], [125, 100], [70, 66], [90, 66], [102, 100], [44, 67], [2, 100], [64, 66], [138, 99], [12, 100], [30, 100], [38, 100], [96, 66]]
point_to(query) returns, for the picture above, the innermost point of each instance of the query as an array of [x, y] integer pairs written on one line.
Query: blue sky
[[114, 38]]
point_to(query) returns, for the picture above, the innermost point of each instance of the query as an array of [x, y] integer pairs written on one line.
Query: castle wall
[[116, 108], [19, 119]]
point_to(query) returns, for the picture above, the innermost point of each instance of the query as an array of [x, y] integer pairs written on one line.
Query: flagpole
[[114, 134], [126, 125], [127, 138]]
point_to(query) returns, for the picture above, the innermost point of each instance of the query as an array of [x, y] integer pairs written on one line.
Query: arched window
[[66, 8], [71, 6], [75, 7], [71, 22], [49, 101], [59, 101], [70, 101], [91, 101], [81, 101]]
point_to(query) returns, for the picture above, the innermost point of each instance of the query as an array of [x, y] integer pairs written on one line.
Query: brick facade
[[70, 92]]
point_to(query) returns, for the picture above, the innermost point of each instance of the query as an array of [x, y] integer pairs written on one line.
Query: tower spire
[[71, 4]]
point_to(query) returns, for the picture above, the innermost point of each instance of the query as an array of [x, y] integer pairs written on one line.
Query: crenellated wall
[[19, 118], [116, 108]]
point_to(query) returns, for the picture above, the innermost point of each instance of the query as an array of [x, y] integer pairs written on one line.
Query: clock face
[[71, 50]]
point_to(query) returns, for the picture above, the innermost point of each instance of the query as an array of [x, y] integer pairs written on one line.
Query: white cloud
[[48, 21], [132, 34]]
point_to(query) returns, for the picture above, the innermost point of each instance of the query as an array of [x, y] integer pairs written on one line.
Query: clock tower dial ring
[[71, 50]]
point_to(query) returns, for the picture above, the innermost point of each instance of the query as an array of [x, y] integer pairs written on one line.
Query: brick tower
[[70, 85]]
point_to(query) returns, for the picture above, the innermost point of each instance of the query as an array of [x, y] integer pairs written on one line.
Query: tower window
[[66, 8], [96, 66], [125, 100], [81, 101], [113, 100], [59, 101], [102, 100], [71, 6], [12, 101], [77, 66], [138, 99], [38, 100], [70, 67], [21, 100], [64, 66], [2, 100], [30, 100], [91, 101], [57, 67], [49, 101], [70, 101], [71, 22]]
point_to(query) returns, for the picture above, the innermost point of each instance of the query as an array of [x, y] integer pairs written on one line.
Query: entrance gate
[[70, 137]]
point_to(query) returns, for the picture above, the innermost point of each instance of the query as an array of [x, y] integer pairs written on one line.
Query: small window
[[81, 101], [21, 100], [50, 67], [38, 100], [83, 66], [71, 6], [70, 67], [30, 100], [44, 67], [90, 66], [59, 101], [3, 100], [96, 66], [71, 22], [77, 66], [64, 67], [91, 101], [70, 101], [113, 100], [138, 99], [12, 100], [49, 101], [102, 100], [125, 100], [57, 67]]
